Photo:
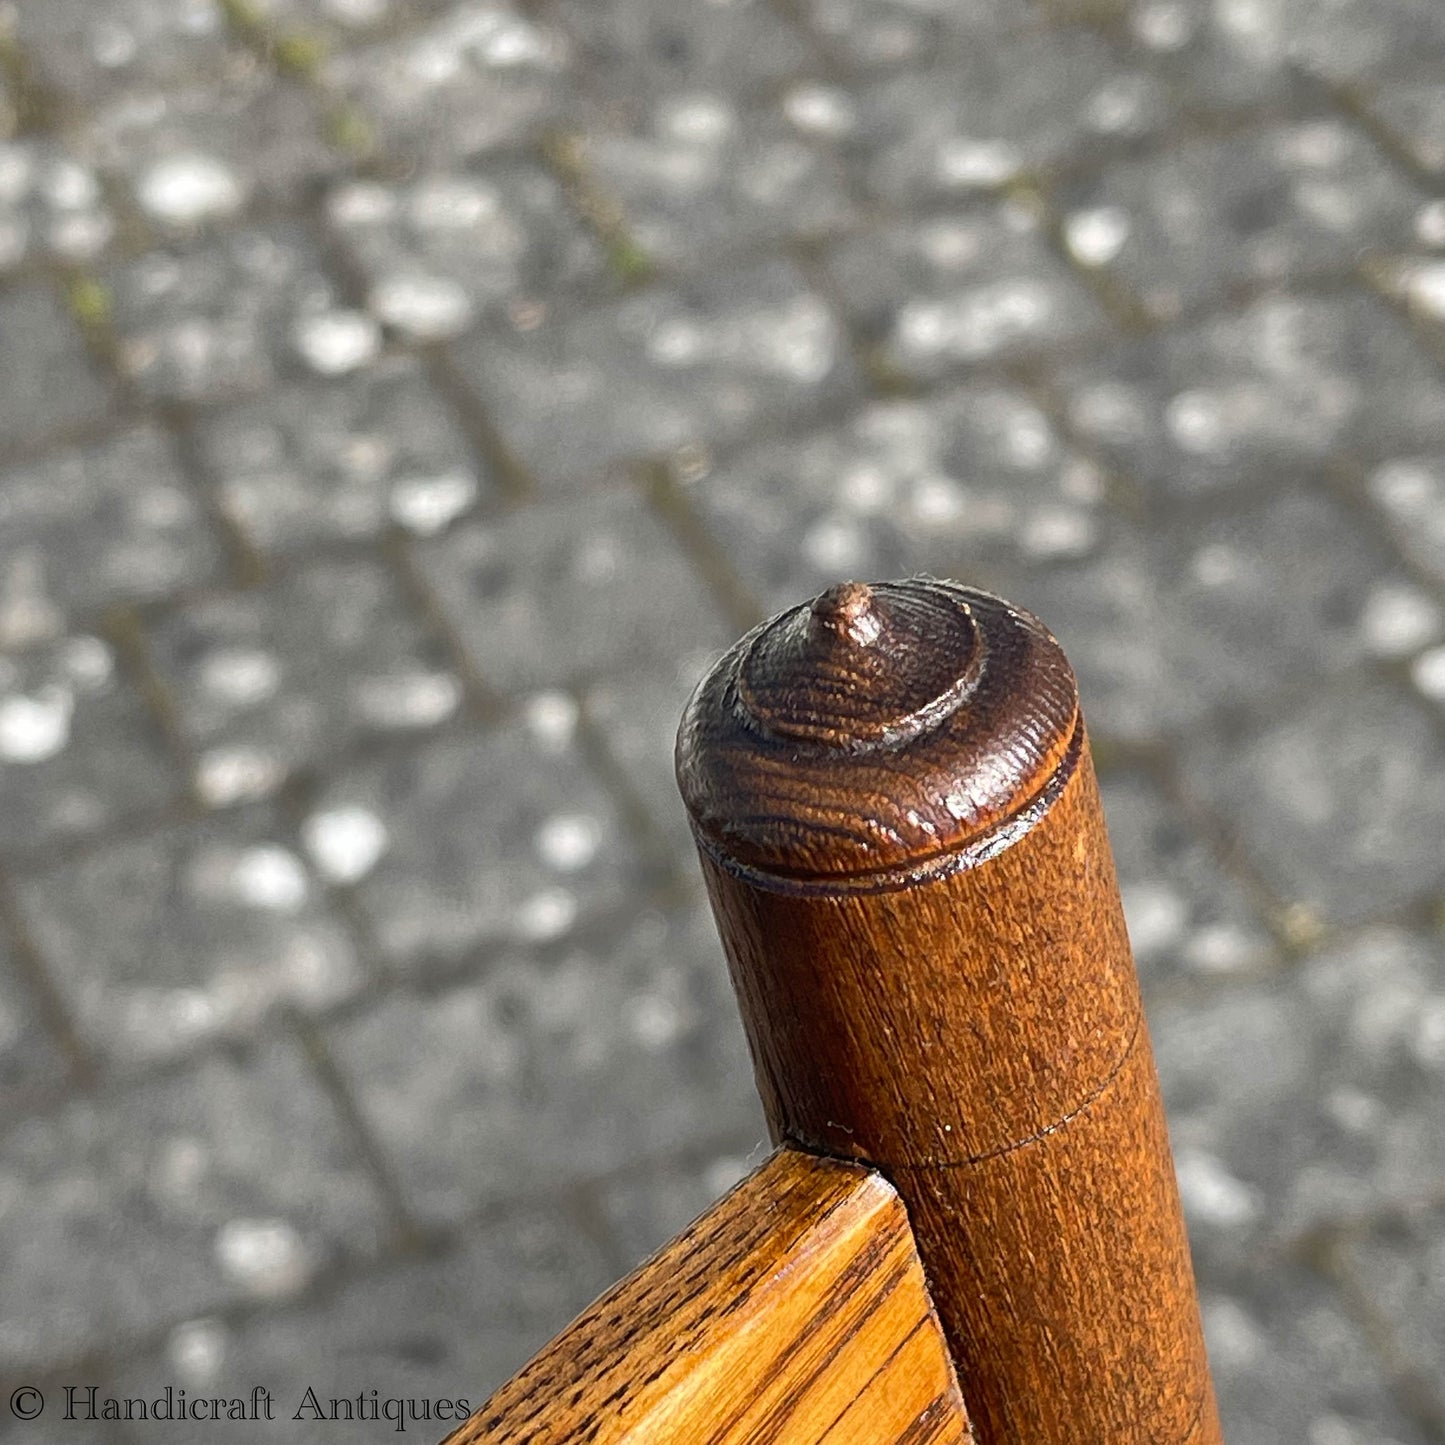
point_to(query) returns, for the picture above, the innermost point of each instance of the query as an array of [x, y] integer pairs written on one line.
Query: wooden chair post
[[901, 833]]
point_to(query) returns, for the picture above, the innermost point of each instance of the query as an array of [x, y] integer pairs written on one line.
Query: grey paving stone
[[647, 1207], [445, 250], [1415, 279], [1413, 113], [472, 839], [1277, 390], [269, 681], [1410, 494], [90, 525], [29, 1057], [53, 1429], [1185, 227], [343, 460], [698, 175], [1187, 917], [1308, 1098], [328, 25], [1167, 627], [636, 711], [708, 361], [1277, 591], [196, 155], [1108, 609], [1248, 50], [89, 52], [1399, 1267], [51, 206], [551, 1070], [47, 382], [1218, 58], [971, 287], [1290, 1365], [563, 592], [1338, 804], [478, 76], [944, 485], [1346, 42], [232, 316], [875, 34], [121, 1213], [996, 112], [77, 751], [451, 1327], [650, 47], [165, 942]]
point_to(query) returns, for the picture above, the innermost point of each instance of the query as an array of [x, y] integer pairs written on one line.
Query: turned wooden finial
[[901, 834], [875, 733]]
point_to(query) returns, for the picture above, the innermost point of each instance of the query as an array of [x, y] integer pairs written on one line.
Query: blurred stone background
[[402, 400]]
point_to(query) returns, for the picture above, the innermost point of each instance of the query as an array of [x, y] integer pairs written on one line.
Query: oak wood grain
[[793, 1312], [903, 842]]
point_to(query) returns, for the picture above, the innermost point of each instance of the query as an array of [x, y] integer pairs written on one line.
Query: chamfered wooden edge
[[793, 1311]]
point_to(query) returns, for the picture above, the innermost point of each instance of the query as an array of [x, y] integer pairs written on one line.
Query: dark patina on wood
[[902, 838]]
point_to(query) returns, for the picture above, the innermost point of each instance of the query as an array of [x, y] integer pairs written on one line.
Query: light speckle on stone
[[1221, 948], [656, 1021], [819, 110], [197, 1352], [265, 1256], [1096, 237], [184, 190], [1424, 285], [231, 774], [546, 915], [1428, 672], [967, 163], [698, 118], [1164, 25], [428, 505], [427, 308], [1198, 421], [33, 729], [241, 676], [1430, 225], [345, 843], [1210, 1193], [1157, 915], [1058, 532], [272, 878], [410, 699], [568, 841], [336, 342], [551, 718], [88, 662], [1398, 620]]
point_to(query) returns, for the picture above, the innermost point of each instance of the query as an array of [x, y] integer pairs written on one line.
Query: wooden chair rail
[[792, 1312]]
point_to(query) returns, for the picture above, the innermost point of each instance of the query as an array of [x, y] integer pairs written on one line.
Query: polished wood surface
[[902, 838], [792, 1313]]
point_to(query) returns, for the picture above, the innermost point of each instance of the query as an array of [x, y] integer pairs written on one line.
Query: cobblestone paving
[[402, 400]]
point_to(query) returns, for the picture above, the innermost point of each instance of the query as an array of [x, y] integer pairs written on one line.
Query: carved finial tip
[[848, 610]]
